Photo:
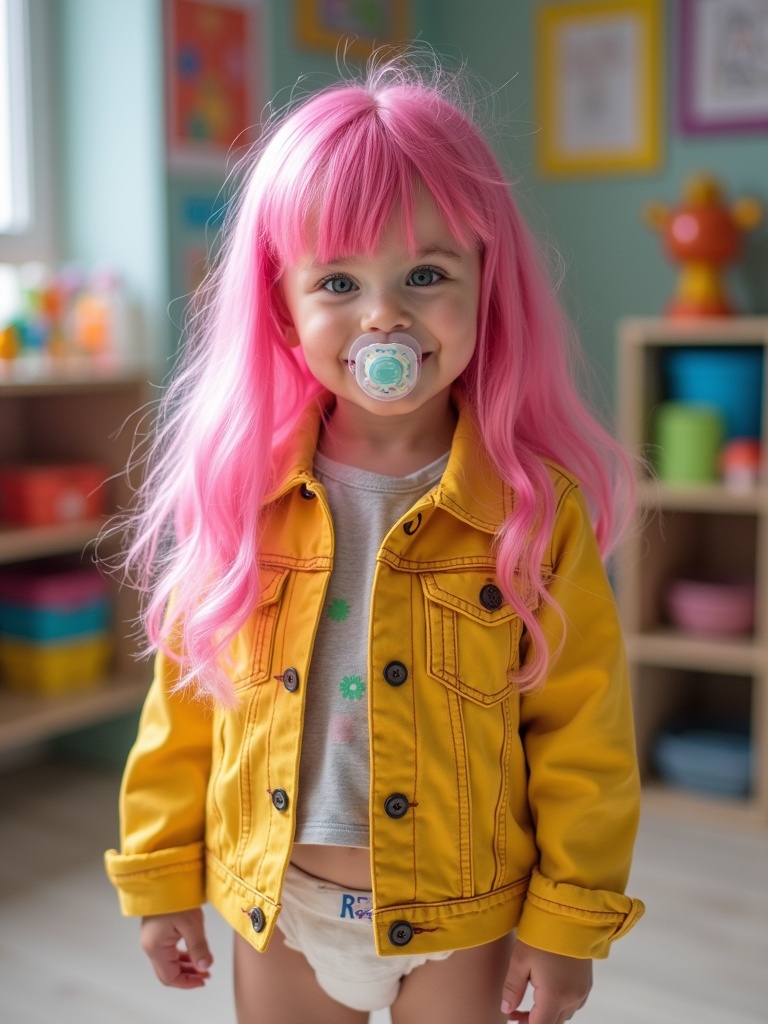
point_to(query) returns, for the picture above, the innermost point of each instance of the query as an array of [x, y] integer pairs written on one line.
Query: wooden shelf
[[75, 413], [700, 653], [19, 543], [701, 498], [740, 330], [28, 718], [702, 530], [72, 379]]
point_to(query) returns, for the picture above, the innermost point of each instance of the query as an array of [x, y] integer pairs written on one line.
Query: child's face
[[433, 297]]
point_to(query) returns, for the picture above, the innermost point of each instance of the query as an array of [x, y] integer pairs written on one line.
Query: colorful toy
[[703, 234], [740, 464]]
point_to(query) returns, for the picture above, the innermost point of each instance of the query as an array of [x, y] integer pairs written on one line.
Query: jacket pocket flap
[[473, 635], [471, 593]]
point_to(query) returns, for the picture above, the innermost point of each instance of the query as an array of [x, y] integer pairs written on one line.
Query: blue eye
[[339, 285], [424, 276]]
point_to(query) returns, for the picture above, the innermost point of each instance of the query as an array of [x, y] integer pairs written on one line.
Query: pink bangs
[[349, 160]]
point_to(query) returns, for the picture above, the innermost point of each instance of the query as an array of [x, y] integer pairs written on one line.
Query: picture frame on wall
[[351, 27], [214, 80], [723, 60], [599, 83]]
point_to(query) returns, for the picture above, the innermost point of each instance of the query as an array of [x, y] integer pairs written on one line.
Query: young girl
[[389, 736]]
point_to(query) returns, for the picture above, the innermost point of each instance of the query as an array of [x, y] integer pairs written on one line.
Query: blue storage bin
[[706, 758], [731, 379], [46, 605], [54, 623]]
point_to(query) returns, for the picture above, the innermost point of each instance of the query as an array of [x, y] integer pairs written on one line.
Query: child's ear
[[281, 308], [291, 337]]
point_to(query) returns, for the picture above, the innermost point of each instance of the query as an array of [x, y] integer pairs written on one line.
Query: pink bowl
[[723, 609]]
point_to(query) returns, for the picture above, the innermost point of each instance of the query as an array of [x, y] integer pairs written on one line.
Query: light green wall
[[108, 104], [613, 264]]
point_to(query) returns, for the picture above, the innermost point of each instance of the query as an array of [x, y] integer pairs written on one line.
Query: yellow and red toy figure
[[703, 234]]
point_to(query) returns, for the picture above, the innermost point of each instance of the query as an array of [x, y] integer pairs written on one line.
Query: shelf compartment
[[704, 531], [74, 415]]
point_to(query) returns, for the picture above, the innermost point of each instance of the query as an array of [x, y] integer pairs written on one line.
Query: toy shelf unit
[[51, 429], [692, 580]]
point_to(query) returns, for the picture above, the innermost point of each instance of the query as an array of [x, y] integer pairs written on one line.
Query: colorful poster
[[212, 90]]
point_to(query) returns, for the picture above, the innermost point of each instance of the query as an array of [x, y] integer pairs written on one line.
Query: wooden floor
[[66, 956]]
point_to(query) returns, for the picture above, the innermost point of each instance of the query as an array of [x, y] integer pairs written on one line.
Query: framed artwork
[[214, 73], [353, 26], [599, 84], [723, 50]]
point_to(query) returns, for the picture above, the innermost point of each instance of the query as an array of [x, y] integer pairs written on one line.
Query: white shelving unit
[[679, 530], [76, 417]]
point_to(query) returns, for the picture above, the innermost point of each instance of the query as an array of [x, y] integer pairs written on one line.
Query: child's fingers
[[515, 984], [192, 931], [177, 967]]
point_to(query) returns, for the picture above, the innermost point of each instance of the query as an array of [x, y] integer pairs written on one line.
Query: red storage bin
[[46, 495]]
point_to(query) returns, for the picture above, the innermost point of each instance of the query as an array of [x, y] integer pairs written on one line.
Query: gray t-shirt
[[334, 778]]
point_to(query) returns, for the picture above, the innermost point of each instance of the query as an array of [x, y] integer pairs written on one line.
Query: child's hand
[[561, 985], [160, 938]]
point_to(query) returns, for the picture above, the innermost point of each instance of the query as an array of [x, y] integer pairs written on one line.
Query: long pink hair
[[329, 178]]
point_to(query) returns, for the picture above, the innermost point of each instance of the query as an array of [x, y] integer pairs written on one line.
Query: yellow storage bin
[[54, 668]]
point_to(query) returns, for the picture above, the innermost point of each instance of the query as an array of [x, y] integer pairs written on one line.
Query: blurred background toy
[[703, 233], [52, 317]]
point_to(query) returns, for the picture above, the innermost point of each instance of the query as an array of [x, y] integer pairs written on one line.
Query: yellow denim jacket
[[509, 811]]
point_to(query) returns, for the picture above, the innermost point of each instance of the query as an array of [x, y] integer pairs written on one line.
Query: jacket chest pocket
[[250, 652], [473, 635]]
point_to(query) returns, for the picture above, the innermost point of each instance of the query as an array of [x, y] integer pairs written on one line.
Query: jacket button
[[290, 679], [400, 934], [395, 673], [305, 492], [491, 597], [257, 919], [280, 799], [396, 805]]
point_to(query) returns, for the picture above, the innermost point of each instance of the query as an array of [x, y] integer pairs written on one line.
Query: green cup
[[689, 439]]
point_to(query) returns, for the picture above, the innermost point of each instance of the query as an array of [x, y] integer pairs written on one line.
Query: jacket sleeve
[[578, 735], [161, 868]]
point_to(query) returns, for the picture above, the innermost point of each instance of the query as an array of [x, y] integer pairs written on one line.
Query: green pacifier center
[[385, 370]]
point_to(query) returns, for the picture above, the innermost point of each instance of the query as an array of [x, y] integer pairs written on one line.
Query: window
[[26, 175], [15, 213]]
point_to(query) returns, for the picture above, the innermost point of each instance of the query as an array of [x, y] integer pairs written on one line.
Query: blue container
[[706, 758], [41, 604], [25, 623], [729, 378]]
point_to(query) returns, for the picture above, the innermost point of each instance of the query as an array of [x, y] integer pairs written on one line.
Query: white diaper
[[331, 927]]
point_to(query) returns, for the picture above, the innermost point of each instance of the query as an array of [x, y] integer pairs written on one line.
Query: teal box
[[50, 606]]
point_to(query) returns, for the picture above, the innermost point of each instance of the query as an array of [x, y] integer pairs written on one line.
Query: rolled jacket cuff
[[572, 921], [163, 882]]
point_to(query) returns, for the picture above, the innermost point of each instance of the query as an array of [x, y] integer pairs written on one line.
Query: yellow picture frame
[[599, 85], [353, 29]]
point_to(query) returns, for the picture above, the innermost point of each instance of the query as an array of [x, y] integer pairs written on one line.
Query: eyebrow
[[429, 251]]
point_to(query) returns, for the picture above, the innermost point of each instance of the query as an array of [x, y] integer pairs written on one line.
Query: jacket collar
[[470, 488]]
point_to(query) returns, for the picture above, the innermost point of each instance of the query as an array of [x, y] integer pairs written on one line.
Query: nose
[[386, 312]]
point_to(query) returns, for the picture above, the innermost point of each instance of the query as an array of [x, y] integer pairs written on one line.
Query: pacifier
[[386, 367]]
